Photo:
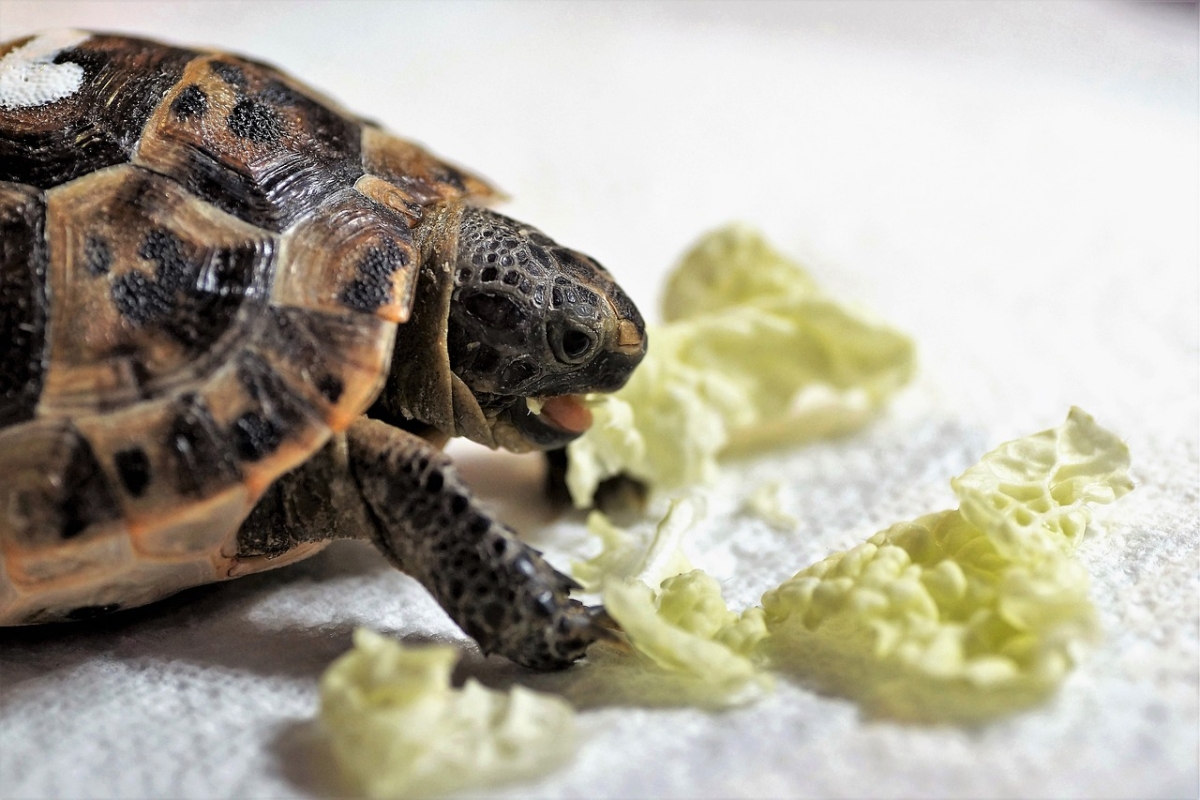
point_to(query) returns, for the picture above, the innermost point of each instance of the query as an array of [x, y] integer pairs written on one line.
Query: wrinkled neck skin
[[421, 386]]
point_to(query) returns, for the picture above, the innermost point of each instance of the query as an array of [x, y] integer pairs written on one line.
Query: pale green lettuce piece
[[674, 617], [960, 614], [399, 729], [748, 336], [1032, 494], [687, 629]]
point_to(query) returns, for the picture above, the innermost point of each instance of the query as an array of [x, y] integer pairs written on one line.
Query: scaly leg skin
[[497, 589]]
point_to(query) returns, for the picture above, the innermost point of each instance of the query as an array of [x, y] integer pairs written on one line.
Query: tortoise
[[239, 322]]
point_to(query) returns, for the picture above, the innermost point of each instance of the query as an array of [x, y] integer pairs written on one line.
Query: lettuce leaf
[[747, 335], [398, 729], [964, 614], [673, 616]]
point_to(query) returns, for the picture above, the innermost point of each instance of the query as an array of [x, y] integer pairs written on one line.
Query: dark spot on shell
[[133, 466], [88, 498], [254, 121], [330, 387], [372, 284], [434, 481], [479, 525], [258, 432], [511, 278], [201, 457], [97, 257], [280, 94], [458, 504], [489, 274], [447, 174], [91, 612], [230, 73], [255, 436], [139, 299], [190, 102], [166, 250], [556, 297]]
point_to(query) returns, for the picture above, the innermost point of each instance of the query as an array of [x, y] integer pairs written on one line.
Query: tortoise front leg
[[497, 589]]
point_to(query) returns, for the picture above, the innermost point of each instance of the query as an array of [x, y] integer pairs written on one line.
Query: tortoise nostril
[[575, 343]]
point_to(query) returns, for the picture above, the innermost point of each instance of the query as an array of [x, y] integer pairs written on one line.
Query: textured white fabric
[[1015, 185]]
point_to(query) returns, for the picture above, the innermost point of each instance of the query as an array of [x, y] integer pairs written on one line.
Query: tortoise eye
[[571, 344]]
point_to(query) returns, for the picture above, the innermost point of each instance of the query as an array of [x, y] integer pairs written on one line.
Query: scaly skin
[[497, 589]]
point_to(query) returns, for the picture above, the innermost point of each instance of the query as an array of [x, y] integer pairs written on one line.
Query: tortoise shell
[[203, 264]]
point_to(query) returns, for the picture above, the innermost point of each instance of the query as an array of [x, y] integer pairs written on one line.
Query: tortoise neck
[[420, 385]]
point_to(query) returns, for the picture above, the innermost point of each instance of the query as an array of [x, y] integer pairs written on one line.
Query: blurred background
[[1014, 184]]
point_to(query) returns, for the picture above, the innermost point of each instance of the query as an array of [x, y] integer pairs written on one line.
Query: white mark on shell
[[29, 77]]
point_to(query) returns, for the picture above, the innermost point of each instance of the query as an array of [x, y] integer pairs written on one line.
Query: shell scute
[[97, 126], [421, 175], [152, 288], [355, 255], [251, 142]]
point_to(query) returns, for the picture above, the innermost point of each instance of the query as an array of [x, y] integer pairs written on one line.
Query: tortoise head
[[530, 320]]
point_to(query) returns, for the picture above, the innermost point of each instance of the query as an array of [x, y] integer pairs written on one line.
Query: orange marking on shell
[[340, 419], [96, 555], [393, 312]]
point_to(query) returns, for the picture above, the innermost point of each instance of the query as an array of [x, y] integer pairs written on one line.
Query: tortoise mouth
[[549, 422]]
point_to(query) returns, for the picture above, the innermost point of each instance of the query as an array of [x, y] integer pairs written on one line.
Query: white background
[[1015, 185]]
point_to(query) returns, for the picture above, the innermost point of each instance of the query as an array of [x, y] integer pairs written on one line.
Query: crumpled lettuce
[[399, 729], [747, 332], [961, 614], [673, 616]]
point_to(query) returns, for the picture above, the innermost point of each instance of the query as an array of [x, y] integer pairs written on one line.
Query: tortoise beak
[[563, 419]]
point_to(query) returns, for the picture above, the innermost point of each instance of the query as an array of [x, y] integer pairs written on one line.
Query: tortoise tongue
[[567, 413]]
